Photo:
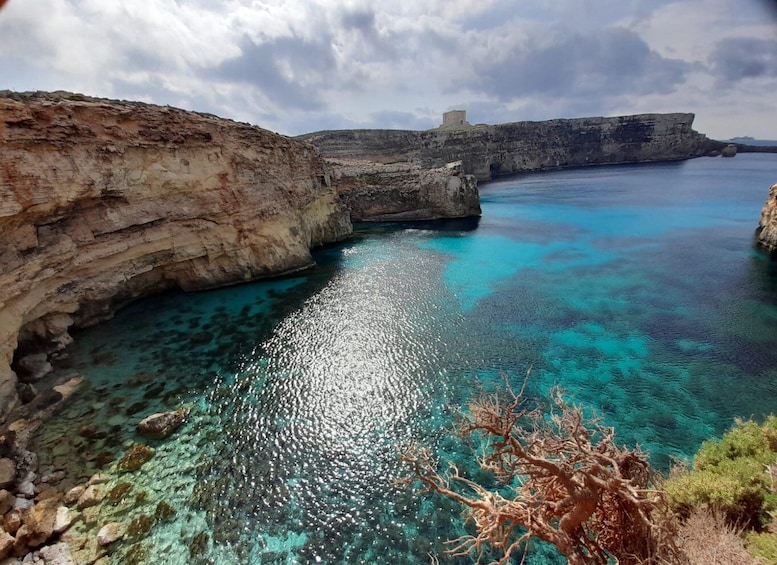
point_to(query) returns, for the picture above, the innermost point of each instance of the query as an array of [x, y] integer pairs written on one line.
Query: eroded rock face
[[766, 234], [488, 151], [103, 201], [403, 191]]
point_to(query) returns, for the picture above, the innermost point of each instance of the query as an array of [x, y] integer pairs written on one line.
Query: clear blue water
[[635, 288]]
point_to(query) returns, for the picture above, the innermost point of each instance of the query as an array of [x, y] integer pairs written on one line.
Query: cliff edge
[[487, 151], [766, 233], [104, 201], [403, 191]]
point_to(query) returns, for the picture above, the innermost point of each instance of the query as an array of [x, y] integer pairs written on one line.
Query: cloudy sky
[[296, 66]]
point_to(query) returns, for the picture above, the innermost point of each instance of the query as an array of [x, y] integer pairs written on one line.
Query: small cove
[[635, 288]]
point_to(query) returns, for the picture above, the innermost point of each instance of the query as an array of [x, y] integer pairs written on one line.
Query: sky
[[297, 66]]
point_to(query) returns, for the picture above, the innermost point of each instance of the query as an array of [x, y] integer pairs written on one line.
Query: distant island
[[747, 140]]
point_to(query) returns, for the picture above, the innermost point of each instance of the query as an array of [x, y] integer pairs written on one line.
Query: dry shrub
[[572, 486], [706, 539]]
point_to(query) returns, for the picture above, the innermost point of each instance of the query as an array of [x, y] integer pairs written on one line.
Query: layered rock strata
[[489, 151], [766, 233], [403, 191], [103, 201]]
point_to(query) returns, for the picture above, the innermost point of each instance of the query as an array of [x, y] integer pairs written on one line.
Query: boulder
[[729, 150], [72, 496], [110, 533], [63, 520], [32, 368], [39, 522], [90, 497], [6, 544], [161, 425], [7, 500], [12, 521], [53, 478], [57, 554], [7, 472]]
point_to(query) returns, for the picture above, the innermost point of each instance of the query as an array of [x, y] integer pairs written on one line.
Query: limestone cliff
[[489, 151], [403, 191], [766, 233], [104, 201]]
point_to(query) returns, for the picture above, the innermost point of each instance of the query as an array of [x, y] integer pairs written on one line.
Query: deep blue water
[[635, 288]]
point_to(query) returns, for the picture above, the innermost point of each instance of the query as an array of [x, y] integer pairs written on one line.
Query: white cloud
[[293, 64]]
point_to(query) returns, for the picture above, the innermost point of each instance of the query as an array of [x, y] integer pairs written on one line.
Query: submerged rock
[[33, 368], [110, 533], [161, 425], [91, 496], [135, 457]]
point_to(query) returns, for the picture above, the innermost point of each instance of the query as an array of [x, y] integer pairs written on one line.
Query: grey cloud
[[390, 119], [138, 60], [362, 20], [739, 58], [611, 62], [258, 66]]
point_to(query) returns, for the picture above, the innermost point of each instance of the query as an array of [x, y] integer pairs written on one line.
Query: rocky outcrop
[[103, 201], [403, 191], [489, 151], [766, 233]]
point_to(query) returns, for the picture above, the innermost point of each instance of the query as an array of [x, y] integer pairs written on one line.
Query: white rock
[[57, 554], [96, 479], [22, 504], [74, 494], [26, 489], [90, 497], [63, 520], [110, 533]]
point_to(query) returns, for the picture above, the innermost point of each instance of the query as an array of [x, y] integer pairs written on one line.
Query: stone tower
[[454, 118]]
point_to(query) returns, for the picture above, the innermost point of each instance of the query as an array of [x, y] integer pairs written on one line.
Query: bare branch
[[572, 485]]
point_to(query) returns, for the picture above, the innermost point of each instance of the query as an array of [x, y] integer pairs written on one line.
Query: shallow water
[[635, 288]]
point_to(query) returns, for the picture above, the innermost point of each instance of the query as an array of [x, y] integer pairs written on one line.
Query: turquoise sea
[[635, 288]]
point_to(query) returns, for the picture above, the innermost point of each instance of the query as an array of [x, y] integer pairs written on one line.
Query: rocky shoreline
[[103, 202]]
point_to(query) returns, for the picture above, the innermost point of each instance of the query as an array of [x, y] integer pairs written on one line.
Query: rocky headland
[[766, 232], [488, 151]]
